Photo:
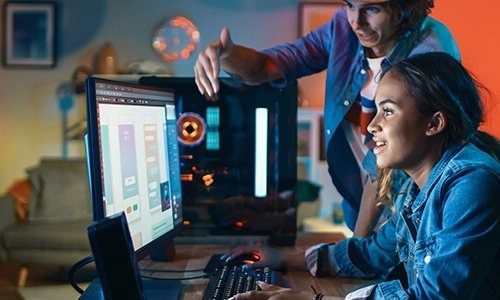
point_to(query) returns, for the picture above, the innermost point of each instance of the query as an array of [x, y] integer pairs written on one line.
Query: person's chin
[[382, 162], [388, 163]]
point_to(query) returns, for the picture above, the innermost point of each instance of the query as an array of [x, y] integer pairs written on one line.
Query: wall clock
[[175, 39]]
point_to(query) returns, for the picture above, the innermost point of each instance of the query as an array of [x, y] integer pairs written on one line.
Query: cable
[[172, 271], [85, 261], [78, 265], [183, 278]]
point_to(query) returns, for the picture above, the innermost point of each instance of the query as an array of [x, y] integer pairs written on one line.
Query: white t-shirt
[[355, 133]]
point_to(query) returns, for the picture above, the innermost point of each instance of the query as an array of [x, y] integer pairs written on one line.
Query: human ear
[[437, 124]]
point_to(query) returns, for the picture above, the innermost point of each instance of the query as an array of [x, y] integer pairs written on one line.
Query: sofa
[[44, 217]]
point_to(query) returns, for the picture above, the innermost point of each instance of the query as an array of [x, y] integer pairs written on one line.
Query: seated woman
[[446, 223]]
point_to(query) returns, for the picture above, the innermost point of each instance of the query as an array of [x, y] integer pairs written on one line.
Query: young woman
[[446, 225]]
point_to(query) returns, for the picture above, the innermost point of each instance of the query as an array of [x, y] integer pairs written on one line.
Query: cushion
[[60, 190], [20, 190], [71, 235]]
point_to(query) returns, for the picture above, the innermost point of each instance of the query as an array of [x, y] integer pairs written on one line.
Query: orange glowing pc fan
[[191, 128]]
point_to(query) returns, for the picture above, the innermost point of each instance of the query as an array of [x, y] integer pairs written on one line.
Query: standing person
[[446, 225], [355, 46]]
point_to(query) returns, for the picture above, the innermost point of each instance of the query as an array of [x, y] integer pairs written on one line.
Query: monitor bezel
[[94, 159]]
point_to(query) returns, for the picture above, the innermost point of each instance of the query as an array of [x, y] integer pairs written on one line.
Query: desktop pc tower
[[238, 160]]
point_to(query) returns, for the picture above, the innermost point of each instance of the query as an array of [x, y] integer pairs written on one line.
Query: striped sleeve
[[320, 260], [363, 293]]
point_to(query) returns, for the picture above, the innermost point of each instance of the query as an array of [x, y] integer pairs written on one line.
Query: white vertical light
[[261, 152]]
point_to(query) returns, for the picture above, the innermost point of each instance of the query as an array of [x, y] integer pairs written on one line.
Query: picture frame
[[314, 14], [29, 37]]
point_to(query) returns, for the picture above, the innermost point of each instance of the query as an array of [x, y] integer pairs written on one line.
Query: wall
[[30, 119], [474, 24]]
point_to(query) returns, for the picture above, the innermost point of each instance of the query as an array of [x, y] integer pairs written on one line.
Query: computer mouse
[[216, 262], [244, 259]]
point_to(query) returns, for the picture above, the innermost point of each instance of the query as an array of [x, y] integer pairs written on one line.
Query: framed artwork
[[29, 34], [312, 15]]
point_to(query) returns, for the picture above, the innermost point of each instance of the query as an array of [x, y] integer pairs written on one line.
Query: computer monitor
[[238, 160], [133, 160]]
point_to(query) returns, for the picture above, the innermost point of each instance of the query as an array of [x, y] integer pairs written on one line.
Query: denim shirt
[[447, 235], [335, 47]]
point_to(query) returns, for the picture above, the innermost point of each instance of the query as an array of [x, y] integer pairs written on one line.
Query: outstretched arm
[[251, 65]]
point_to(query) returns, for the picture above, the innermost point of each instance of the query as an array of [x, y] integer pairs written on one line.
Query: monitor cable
[[205, 275], [77, 266], [172, 271], [85, 261], [182, 278]]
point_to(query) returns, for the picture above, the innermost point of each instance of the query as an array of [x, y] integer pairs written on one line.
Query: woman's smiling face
[[400, 131]]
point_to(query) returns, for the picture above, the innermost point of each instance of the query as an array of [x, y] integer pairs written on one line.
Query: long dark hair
[[438, 82]]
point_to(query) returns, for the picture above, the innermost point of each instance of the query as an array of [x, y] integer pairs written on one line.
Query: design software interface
[[138, 136]]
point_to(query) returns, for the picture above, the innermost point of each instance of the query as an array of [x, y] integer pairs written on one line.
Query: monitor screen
[[238, 159], [133, 158]]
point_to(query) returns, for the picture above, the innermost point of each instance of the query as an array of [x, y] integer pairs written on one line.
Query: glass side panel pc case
[[238, 159], [133, 160]]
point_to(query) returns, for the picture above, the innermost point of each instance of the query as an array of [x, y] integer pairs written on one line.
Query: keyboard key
[[231, 280]]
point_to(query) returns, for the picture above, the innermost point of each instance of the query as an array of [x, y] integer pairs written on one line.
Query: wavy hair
[[413, 12], [438, 82]]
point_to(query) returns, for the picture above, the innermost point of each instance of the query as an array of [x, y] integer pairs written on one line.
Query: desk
[[193, 257]]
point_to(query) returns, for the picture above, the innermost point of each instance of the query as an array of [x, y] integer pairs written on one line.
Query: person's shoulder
[[470, 157], [435, 25], [434, 36], [339, 19], [434, 29], [340, 14], [337, 28]]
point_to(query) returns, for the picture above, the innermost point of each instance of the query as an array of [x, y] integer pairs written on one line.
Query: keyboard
[[231, 280]]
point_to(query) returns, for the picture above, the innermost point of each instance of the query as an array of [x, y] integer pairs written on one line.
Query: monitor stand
[[165, 253], [155, 290], [118, 270]]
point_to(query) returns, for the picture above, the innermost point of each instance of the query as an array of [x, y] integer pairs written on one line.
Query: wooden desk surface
[[195, 257]]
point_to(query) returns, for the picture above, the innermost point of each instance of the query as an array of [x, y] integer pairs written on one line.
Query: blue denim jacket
[[447, 235], [336, 48]]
